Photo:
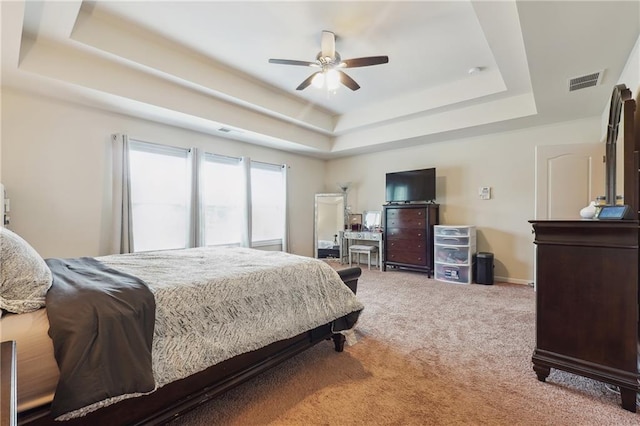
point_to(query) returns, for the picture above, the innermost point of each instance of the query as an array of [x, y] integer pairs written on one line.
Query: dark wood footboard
[[176, 398], [350, 277]]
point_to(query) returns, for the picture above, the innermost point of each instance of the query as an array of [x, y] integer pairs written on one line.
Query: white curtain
[[245, 162], [285, 236], [122, 222], [196, 223]]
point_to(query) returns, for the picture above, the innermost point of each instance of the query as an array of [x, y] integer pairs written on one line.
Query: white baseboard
[[514, 281]]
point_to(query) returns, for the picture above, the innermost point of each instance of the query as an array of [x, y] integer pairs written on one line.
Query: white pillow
[[24, 275]]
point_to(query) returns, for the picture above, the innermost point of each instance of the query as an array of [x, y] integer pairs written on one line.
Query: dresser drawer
[[364, 235], [406, 215], [405, 233], [452, 255], [406, 245], [408, 222], [453, 231], [413, 257], [453, 241], [453, 274]]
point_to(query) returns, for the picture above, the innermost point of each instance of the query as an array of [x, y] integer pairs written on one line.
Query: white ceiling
[[204, 65]]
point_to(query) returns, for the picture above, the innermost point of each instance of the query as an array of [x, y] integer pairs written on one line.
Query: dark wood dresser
[[587, 302], [409, 236]]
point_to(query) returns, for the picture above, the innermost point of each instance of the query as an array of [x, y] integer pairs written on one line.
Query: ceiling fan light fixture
[[331, 63], [318, 80], [332, 79], [328, 79]]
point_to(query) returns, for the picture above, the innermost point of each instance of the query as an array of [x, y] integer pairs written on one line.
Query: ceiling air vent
[[585, 81]]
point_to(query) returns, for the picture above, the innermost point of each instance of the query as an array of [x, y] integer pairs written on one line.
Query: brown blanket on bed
[[101, 323]]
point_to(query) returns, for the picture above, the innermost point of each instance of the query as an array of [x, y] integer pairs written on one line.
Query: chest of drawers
[[587, 302], [409, 236]]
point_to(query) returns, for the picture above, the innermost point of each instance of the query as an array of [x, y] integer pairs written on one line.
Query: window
[[160, 189], [268, 197], [223, 189], [181, 198]]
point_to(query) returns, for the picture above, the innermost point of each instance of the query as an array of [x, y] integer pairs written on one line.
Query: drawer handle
[[419, 213], [419, 235]]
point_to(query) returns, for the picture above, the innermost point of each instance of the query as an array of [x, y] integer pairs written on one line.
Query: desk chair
[[362, 249]]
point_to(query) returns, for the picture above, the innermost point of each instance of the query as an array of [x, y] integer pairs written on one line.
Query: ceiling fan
[[331, 65]]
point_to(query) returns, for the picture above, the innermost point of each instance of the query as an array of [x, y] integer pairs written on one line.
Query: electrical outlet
[[484, 192]]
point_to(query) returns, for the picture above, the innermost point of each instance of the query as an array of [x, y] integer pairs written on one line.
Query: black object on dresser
[[409, 236]]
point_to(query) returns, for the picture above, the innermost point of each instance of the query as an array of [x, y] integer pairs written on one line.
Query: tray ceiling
[[204, 65]]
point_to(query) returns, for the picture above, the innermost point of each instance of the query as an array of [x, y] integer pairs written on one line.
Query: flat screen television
[[411, 185]]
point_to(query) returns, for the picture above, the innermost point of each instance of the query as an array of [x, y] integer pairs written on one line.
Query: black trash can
[[484, 268]]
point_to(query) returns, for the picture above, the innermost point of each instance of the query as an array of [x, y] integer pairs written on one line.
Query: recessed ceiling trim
[[150, 52]]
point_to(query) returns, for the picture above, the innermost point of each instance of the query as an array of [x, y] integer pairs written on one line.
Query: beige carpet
[[428, 353]]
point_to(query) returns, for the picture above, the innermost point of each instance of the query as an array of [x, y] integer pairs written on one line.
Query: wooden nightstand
[[8, 395]]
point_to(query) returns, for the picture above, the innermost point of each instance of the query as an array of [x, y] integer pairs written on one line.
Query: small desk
[[347, 237]]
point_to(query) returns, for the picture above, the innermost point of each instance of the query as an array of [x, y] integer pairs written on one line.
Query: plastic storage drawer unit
[[453, 274], [454, 253]]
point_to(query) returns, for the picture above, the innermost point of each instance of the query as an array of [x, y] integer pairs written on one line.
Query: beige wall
[[630, 77], [504, 161], [631, 73], [56, 168]]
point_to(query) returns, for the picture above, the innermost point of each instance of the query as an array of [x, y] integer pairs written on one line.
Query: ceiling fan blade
[[328, 44], [293, 62], [307, 81], [348, 81], [364, 62]]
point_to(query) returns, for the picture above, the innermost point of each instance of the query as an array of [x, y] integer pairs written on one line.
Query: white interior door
[[568, 178]]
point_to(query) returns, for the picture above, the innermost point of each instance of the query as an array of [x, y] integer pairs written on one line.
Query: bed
[[202, 321]]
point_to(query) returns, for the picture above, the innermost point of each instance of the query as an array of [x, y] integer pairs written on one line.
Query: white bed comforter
[[215, 303]]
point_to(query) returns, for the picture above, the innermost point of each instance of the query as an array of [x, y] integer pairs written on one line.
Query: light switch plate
[[484, 192]]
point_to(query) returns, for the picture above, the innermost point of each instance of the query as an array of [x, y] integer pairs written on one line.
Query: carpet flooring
[[428, 353]]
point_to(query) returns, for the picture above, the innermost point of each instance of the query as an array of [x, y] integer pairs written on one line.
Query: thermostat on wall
[[484, 192]]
